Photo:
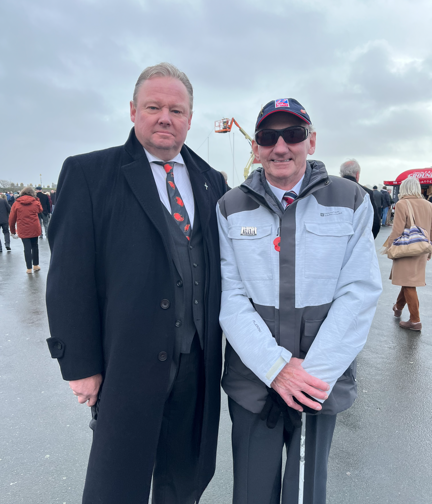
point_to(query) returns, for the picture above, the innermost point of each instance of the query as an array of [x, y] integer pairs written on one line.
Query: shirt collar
[[279, 193], [178, 159]]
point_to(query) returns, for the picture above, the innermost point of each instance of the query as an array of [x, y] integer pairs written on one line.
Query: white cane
[[302, 458]]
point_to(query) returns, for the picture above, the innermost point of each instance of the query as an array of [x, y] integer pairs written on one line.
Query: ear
[[132, 111], [190, 121], [312, 143], [357, 176], [255, 149]]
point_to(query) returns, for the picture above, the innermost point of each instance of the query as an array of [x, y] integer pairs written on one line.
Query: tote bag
[[414, 241]]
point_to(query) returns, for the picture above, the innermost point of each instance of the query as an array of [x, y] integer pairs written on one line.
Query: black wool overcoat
[[110, 299]]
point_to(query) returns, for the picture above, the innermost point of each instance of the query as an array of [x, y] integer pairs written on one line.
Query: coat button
[[165, 304], [196, 301], [196, 282], [59, 346], [191, 247], [195, 265], [179, 283], [163, 356], [178, 323]]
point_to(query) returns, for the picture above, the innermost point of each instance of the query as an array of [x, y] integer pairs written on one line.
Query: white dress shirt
[[182, 181], [279, 193]]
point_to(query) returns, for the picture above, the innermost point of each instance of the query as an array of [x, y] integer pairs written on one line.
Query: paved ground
[[382, 445]]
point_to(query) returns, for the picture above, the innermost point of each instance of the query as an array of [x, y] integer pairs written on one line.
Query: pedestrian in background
[[25, 215], [386, 203], [4, 219], [351, 171], [46, 210], [409, 272], [378, 197]]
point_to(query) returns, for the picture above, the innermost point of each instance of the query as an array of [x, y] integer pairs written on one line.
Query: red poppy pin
[[276, 243]]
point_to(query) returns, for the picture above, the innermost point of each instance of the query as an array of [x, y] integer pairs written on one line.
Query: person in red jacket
[[25, 215]]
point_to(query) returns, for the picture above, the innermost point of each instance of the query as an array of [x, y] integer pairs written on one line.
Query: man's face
[[162, 116], [284, 164]]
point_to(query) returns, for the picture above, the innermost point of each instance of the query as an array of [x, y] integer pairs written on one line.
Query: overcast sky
[[362, 70]]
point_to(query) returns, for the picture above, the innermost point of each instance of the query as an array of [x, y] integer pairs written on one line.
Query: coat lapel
[[141, 181]]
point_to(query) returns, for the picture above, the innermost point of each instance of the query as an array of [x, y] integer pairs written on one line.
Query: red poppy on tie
[[171, 184], [187, 227], [276, 243], [188, 237], [179, 201], [168, 168], [178, 217]]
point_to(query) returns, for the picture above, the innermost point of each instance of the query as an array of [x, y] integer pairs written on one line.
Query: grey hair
[[350, 167], [410, 187], [28, 191], [164, 70]]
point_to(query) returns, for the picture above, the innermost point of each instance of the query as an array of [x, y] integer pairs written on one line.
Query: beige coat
[[410, 271]]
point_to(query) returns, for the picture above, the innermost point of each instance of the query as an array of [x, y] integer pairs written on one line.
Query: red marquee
[[424, 176]]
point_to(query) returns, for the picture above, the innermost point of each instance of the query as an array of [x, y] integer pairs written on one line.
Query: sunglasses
[[291, 135]]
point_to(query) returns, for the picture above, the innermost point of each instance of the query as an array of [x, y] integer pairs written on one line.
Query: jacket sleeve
[[399, 222], [72, 298], [243, 327], [344, 332], [12, 219]]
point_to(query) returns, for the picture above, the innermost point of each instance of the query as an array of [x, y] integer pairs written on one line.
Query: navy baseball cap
[[289, 105]]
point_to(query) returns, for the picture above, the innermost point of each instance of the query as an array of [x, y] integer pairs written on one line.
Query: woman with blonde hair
[[25, 214], [409, 272]]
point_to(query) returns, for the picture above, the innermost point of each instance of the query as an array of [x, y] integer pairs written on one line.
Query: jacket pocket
[[311, 328], [253, 252], [325, 245]]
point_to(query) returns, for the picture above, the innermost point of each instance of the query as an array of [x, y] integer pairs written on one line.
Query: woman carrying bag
[[410, 271]]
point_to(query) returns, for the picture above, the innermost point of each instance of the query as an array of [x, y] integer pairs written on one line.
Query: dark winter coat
[[110, 299], [376, 225], [44, 202], [386, 198], [378, 197], [25, 215], [4, 211]]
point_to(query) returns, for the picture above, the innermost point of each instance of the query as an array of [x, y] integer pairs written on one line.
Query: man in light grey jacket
[[300, 284]]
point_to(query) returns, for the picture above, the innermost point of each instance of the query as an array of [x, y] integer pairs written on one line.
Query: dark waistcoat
[[189, 261]]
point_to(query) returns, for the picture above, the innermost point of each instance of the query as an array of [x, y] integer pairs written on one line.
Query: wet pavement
[[381, 448]]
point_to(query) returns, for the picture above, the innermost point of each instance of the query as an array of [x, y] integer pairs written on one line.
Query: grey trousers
[[44, 220], [5, 228], [257, 456]]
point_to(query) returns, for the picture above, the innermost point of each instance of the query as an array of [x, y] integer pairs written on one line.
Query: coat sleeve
[[243, 327], [12, 219], [344, 332], [72, 298], [399, 222]]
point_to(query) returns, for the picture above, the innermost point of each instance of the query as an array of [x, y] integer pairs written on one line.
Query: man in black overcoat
[[351, 171], [133, 296]]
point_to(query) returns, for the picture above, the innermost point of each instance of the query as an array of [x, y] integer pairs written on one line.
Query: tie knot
[[289, 197], [168, 167]]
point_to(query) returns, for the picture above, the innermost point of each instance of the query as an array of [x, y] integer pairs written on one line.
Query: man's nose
[[281, 145], [164, 116]]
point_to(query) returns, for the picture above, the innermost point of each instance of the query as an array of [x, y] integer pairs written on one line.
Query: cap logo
[[282, 102]]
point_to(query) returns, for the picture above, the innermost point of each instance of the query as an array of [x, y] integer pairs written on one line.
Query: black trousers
[[31, 251], [257, 456], [176, 465]]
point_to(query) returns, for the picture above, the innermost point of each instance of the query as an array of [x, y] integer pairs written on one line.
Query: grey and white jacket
[[314, 299]]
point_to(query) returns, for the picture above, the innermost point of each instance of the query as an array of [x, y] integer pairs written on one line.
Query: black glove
[[306, 409], [273, 407]]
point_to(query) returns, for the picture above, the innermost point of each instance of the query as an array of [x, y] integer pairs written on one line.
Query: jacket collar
[[256, 185]]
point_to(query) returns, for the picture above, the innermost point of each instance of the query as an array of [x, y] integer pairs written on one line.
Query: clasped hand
[[294, 381]]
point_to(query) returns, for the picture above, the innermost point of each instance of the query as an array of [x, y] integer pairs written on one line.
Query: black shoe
[[8, 248]]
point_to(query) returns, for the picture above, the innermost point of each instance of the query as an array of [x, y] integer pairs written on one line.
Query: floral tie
[[178, 209]]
